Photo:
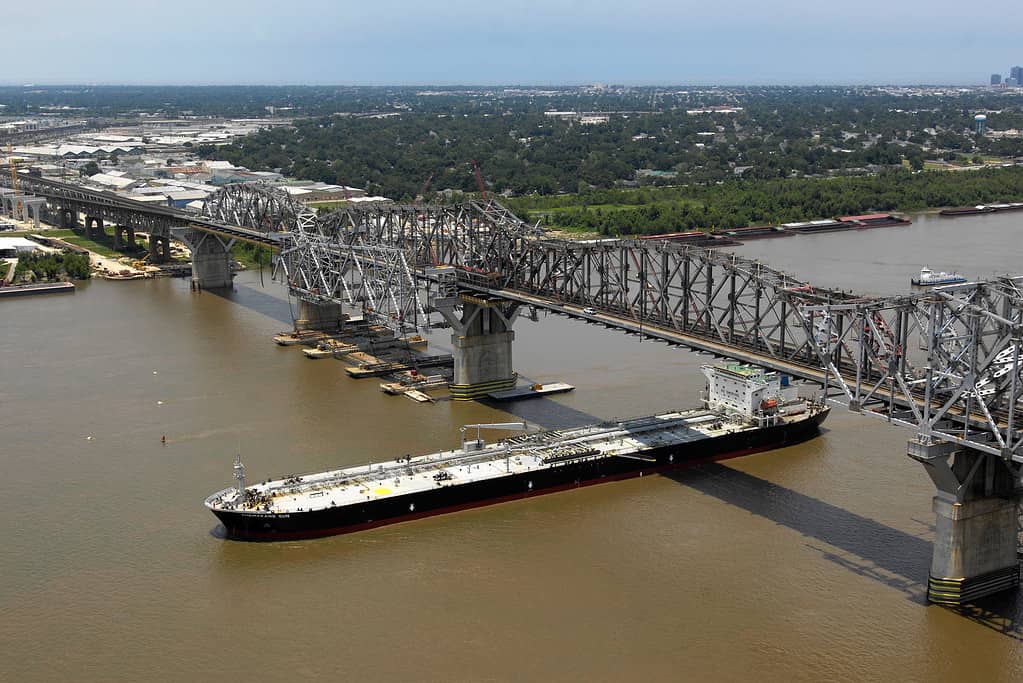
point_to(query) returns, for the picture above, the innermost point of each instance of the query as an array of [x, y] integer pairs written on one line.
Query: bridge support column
[[7, 201], [94, 222], [977, 527], [211, 258], [159, 249], [124, 237], [482, 343], [314, 315], [32, 208], [68, 218]]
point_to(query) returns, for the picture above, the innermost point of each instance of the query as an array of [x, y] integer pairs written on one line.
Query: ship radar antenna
[[239, 474]]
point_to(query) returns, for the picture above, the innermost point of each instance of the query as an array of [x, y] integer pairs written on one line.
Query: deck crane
[[478, 443], [479, 179]]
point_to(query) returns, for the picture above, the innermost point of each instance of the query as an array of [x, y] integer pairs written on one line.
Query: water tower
[[980, 124]]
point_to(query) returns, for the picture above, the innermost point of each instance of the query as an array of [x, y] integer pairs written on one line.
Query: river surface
[[805, 563]]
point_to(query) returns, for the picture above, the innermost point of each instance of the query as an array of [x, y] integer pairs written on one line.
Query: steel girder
[[467, 236], [944, 362], [258, 206], [372, 277], [660, 286]]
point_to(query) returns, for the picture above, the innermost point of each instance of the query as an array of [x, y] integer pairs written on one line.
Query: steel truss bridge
[[944, 362], [254, 214]]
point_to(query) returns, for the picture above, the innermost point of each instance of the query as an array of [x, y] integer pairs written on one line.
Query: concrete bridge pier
[[32, 209], [315, 315], [94, 227], [482, 343], [211, 258], [7, 202], [68, 218], [159, 249], [977, 527], [124, 237]]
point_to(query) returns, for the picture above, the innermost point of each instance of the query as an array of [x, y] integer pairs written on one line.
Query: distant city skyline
[[396, 42]]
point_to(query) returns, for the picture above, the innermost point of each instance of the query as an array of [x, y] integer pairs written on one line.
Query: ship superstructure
[[745, 410]]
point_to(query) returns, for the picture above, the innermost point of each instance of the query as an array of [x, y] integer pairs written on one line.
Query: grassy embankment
[[251, 255], [104, 246]]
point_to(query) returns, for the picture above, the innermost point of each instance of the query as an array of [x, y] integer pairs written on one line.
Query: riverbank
[[744, 203]]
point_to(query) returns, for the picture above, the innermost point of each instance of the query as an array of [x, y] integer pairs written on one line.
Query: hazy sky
[[512, 41]]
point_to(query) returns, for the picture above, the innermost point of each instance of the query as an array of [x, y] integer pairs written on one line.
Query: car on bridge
[[590, 311]]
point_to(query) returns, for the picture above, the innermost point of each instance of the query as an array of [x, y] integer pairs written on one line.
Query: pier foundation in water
[[976, 533], [482, 344]]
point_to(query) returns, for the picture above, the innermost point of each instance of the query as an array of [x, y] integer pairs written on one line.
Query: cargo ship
[[745, 410]]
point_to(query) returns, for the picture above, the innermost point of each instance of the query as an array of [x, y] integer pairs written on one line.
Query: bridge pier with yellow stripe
[[976, 522], [481, 344]]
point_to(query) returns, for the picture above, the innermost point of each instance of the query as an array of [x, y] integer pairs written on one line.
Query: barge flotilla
[[745, 410]]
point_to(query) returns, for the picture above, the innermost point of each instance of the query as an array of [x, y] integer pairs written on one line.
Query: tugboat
[[930, 278], [745, 410]]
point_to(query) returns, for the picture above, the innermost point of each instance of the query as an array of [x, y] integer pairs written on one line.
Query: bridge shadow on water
[[255, 299], [858, 544], [543, 412]]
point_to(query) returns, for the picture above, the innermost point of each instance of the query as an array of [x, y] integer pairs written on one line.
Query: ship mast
[[239, 474]]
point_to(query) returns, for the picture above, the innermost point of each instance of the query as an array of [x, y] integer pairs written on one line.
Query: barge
[[745, 410], [981, 208], [751, 233], [39, 288]]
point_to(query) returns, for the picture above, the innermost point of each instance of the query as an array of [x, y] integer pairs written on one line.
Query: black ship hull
[[254, 526]]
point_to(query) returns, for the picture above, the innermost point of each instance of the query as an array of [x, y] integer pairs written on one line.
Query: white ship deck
[[515, 455]]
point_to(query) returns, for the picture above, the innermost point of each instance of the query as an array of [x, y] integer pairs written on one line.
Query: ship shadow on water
[[868, 548]]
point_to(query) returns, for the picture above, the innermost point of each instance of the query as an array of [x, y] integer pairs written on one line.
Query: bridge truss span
[[945, 362], [702, 293]]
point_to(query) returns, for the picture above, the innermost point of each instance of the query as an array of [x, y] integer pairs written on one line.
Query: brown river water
[[805, 563]]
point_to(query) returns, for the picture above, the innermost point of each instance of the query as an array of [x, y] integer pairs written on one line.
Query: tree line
[[52, 266], [759, 202]]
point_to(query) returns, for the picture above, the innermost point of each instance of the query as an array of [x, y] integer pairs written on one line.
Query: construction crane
[[422, 192], [479, 179], [14, 179]]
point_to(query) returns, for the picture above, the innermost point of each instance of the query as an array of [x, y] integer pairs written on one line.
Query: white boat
[[930, 278]]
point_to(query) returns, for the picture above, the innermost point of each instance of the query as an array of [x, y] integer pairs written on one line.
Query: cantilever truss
[[373, 278], [258, 206], [945, 362], [666, 290]]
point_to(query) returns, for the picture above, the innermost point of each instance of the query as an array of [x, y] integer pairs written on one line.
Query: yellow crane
[[14, 179]]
